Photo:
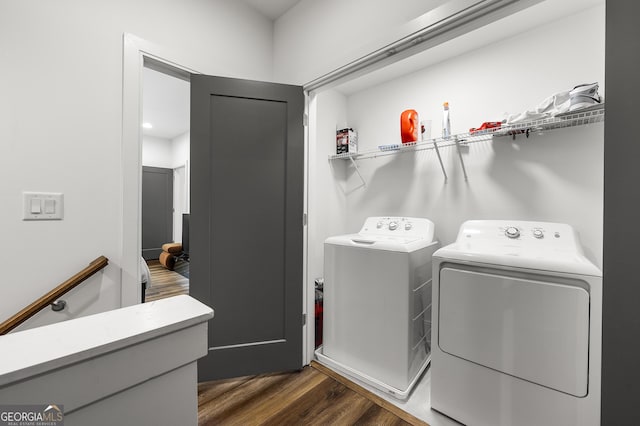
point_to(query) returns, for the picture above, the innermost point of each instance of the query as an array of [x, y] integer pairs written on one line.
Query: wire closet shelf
[[590, 115]]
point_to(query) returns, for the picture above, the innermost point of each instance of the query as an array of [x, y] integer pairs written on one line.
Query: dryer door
[[532, 329]]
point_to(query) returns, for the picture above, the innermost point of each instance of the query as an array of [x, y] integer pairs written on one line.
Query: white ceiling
[[165, 104], [272, 9]]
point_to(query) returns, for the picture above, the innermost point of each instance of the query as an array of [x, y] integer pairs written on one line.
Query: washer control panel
[[398, 226]]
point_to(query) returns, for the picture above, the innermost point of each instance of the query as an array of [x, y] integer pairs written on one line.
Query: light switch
[[42, 205], [36, 206], [49, 206]]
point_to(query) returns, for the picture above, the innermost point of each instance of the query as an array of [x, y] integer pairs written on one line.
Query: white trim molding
[[134, 54]]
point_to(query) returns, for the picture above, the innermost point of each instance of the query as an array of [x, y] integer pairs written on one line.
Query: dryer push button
[[512, 232]]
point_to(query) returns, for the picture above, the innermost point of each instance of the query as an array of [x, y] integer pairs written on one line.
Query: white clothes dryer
[[377, 303], [517, 327]]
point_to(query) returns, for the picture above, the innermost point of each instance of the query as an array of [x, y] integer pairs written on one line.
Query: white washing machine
[[517, 318], [377, 303]]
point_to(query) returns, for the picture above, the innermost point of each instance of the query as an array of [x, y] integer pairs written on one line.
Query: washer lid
[[379, 242], [401, 234], [533, 245]]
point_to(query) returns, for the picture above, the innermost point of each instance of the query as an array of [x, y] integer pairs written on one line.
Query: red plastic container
[[409, 126]]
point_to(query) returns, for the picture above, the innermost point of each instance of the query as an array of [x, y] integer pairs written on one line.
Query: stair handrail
[[50, 297]]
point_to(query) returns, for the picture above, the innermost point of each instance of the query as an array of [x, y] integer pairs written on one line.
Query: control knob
[[407, 226], [393, 226], [538, 233], [512, 232]]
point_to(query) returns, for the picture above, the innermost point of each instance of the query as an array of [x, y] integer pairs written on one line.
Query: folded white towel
[[551, 106]]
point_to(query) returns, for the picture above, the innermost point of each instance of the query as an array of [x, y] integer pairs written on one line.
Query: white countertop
[[31, 352]]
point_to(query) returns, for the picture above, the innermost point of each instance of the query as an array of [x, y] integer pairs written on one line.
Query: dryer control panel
[[544, 246], [525, 234], [416, 227], [537, 231]]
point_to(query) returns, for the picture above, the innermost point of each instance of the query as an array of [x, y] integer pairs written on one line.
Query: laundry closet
[[508, 66]]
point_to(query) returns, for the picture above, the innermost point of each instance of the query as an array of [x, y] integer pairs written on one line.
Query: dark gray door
[[157, 210], [246, 223]]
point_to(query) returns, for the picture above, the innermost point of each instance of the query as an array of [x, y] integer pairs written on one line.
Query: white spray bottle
[[446, 122]]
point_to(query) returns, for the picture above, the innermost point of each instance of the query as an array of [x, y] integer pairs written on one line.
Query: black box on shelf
[[346, 141]]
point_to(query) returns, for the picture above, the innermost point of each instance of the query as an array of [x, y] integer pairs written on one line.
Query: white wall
[[509, 76], [554, 177], [326, 196], [315, 37], [61, 126], [157, 152], [167, 153], [180, 149]]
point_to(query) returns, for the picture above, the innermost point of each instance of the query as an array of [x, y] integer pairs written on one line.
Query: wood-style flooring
[[313, 396], [166, 283]]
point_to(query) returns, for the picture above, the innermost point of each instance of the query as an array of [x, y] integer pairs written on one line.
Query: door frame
[[135, 51], [185, 188]]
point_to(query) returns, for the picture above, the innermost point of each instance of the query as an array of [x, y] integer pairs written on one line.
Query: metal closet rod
[[445, 19]]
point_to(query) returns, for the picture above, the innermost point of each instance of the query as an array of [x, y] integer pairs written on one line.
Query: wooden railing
[[53, 295]]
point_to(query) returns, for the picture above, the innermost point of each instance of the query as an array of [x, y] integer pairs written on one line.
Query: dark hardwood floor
[[312, 396], [166, 283]]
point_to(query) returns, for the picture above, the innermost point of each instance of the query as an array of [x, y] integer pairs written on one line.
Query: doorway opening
[[138, 54], [165, 180]]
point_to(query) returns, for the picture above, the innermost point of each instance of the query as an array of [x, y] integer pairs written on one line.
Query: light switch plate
[[51, 206]]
